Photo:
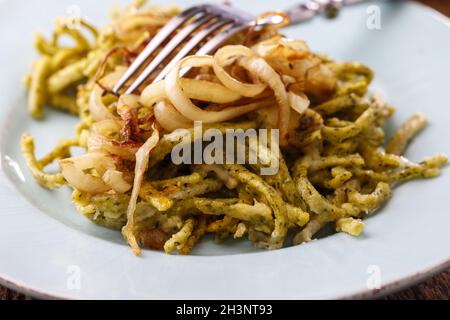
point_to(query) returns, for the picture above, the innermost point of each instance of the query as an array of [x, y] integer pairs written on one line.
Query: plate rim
[[385, 289]]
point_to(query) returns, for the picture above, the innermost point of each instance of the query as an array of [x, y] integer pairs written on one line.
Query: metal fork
[[219, 22]]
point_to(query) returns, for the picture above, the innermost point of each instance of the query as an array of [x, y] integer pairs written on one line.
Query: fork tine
[[214, 42], [162, 35], [169, 48], [188, 47]]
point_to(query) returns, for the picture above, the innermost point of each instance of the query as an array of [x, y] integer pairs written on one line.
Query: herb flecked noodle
[[333, 168]]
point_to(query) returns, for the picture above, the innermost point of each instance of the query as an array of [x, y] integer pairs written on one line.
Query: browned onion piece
[[115, 180], [226, 56], [184, 105], [96, 106], [142, 156], [125, 150], [73, 170], [261, 69], [169, 118]]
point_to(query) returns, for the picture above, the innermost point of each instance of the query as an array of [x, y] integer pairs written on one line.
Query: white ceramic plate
[[45, 244]]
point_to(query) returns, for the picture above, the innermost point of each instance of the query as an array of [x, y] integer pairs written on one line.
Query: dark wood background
[[437, 287]]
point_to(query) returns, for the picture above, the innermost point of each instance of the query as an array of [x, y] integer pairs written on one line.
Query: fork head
[[197, 30]]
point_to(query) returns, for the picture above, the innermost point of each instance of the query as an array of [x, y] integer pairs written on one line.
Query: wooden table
[[437, 287]]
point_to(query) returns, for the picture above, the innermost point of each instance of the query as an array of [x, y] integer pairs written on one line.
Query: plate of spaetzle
[[300, 163]]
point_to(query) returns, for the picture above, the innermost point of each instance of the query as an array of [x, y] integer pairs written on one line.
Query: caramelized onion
[[114, 179], [96, 106], [169, 118], [184, 105], [142, 156], [261, 69], [227, 56], [298, 101], [73, 170], [125, 150]]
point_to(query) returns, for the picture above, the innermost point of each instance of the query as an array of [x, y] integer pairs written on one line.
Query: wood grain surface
[[437, 287]]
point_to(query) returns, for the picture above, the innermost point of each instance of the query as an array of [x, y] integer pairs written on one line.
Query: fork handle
[[311, 8]]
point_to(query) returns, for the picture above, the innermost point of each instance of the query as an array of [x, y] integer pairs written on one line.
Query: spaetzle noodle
[[333, 167]]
